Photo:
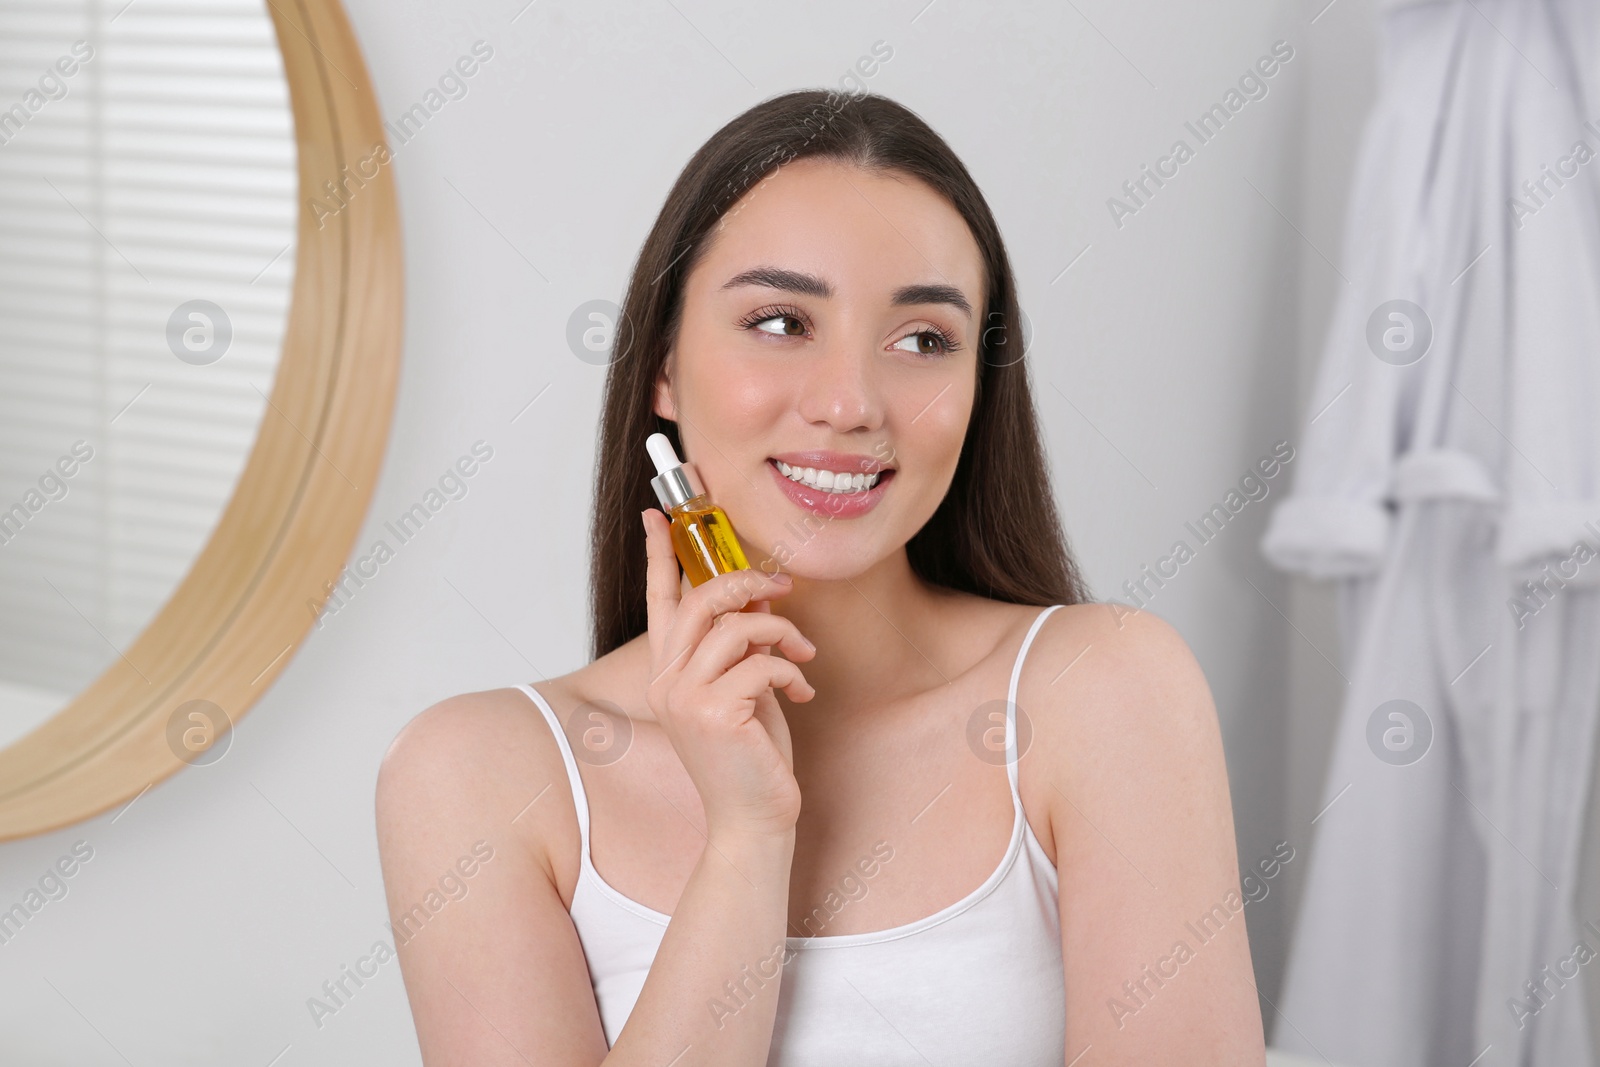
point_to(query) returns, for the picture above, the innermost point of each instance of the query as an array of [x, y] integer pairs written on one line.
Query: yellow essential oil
[[704, 540], [702, 535]]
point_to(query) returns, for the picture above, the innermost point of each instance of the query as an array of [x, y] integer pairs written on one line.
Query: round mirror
[[197, 368], [151, 198]]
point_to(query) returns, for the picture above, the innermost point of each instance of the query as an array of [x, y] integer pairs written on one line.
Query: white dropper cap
[[661, 451], [670, 483]]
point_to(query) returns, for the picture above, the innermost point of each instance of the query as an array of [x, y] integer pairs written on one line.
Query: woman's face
[[832, 323]]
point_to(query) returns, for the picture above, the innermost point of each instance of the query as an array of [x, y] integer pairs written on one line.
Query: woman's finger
[[737, 634], [698, 609], [756, 674], [662, 590]]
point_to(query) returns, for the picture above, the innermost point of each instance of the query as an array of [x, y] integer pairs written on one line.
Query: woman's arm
[[503, 977], [496, 974], [724, 949], [1153, 938]]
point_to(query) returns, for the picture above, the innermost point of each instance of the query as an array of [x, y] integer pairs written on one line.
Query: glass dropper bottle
[[702, 536]]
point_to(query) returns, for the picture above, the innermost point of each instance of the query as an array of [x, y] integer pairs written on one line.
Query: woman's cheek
[[755, 407], [941, 427]]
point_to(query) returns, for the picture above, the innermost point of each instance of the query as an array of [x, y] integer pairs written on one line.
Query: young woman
[[986, 821]]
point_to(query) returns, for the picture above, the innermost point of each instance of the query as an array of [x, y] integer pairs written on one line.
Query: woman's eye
[[788, 326], [926, 343]]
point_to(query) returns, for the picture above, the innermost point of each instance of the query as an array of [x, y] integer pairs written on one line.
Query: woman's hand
[[712, 680]]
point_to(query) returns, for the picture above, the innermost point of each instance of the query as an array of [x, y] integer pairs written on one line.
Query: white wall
[[1340, 87], [1167, 360]]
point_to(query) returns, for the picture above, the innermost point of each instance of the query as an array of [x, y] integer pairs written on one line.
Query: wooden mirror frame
[[252, 594]]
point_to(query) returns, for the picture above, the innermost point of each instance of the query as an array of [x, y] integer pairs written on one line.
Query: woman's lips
[[832, 505]]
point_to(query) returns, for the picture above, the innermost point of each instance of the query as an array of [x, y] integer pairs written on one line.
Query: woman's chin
[[812, 561]]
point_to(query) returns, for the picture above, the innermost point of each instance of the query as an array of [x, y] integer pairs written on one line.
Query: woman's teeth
[[828, 481]]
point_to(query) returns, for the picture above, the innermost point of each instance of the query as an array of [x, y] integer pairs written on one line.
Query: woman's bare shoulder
[[499, 725], [458, 733], [475, 763], [467, 760], [1118, 703], [1092, 665], [486, 755]]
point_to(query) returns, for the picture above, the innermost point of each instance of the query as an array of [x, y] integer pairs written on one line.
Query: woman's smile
[[844, 490]]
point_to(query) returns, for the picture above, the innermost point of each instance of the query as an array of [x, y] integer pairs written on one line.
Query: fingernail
[[782, 578], [644, 521]]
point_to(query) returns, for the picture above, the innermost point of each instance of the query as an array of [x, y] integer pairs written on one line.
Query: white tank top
[[977, 982]]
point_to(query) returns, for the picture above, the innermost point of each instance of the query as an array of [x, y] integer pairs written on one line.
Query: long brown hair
[[996, 533]]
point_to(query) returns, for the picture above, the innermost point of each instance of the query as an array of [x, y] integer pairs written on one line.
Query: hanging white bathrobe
[[1437, 923]]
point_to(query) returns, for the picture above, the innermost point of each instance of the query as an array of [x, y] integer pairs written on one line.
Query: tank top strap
[[1011, 705], [580, 799]]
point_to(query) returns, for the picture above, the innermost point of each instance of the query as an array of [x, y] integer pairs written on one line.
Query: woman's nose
[[840, 388]]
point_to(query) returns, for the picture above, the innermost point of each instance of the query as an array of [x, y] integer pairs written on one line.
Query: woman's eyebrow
[[932, 294], [793, 281]]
